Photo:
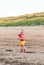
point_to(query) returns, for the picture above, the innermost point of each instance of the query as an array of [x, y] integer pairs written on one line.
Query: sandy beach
[[10, 48]]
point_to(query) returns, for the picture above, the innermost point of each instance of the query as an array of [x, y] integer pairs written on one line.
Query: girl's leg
[[21, 48], [24, 48]]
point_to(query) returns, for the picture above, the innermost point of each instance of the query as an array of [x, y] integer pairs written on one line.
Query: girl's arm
[[19, 35]]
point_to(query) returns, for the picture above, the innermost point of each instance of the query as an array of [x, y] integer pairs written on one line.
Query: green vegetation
[[24, 20]]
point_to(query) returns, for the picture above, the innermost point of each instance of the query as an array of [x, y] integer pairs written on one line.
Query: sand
[[10, 48]]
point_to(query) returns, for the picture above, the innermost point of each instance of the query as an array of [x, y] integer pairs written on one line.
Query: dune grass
[[24, 20]]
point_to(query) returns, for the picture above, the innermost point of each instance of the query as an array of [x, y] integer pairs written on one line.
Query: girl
[[22, 40]]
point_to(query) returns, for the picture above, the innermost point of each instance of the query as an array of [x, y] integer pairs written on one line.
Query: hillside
[[23, 20]]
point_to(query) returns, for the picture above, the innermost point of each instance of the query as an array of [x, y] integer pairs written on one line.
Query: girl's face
[[22, 31]]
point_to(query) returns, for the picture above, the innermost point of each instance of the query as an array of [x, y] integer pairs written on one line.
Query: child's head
[[22, 31]]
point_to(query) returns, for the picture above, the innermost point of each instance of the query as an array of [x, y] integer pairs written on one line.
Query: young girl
[[22, 40]]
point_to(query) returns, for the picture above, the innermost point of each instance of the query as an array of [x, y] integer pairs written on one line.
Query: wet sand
[[10, 49]]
